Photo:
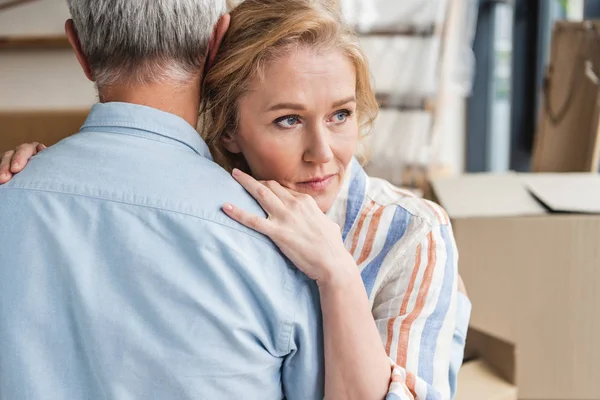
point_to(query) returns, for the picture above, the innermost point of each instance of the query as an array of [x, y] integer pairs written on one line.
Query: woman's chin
[[324, 201]]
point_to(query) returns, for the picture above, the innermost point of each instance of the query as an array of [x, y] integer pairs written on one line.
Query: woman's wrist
[[341, 275]]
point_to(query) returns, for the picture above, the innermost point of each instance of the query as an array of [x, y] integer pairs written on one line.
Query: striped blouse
[[405, 250]]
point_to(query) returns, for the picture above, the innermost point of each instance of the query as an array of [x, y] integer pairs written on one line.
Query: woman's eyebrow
[[287, 106], [344, 101], [300, 107]]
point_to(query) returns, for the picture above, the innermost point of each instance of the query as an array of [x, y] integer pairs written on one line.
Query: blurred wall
[[40, 79]]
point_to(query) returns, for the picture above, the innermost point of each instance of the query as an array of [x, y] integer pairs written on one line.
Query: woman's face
[[298, 126]]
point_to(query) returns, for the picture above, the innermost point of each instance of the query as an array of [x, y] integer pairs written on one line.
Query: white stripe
[[421, 389]]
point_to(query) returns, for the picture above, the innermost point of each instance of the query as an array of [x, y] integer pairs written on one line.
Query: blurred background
[[490, 107]]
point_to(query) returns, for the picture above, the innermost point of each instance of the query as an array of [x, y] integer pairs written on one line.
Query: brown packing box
[[568, 133], [530, 256], [477, 381], [46, 127]]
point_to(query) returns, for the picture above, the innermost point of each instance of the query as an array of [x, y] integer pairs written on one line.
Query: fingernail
[[4, 176], [15, 165], [228, 207], [236, 172]]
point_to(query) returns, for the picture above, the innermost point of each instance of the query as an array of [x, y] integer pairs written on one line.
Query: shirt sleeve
[[303, 369], [415, 312], [463, 314]]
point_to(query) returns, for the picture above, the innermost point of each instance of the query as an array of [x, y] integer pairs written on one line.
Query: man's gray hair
[[145, 40]]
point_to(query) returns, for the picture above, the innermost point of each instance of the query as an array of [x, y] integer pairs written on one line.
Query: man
[[120, 277]]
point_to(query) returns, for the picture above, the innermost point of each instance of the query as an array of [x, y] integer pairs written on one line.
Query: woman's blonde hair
[[260, 32]]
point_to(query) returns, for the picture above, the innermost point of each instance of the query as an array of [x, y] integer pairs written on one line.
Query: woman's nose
[[318, 149]]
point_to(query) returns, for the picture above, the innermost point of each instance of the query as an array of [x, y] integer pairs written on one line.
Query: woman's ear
[[231, 144]]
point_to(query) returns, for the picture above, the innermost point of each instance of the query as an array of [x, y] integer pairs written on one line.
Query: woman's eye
[[288, 121], [341, 116]]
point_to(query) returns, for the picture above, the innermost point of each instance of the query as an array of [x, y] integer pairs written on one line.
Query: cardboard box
[[530, 256], [477, 381], [46, 127]]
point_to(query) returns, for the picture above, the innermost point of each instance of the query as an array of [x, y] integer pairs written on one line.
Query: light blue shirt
[[121, 278]]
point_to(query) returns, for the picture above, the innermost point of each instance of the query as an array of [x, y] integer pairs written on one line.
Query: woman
[[284, 108]]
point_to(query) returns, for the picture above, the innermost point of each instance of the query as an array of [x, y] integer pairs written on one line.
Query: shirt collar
[[350, 200], [138, 120]]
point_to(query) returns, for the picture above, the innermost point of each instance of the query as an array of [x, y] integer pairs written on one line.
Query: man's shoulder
[[163, 179]]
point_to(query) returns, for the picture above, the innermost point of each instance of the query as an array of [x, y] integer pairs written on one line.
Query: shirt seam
[[256, 236], [165, 138], [288, 326], [145, 137], [422, 218], [123, 124]]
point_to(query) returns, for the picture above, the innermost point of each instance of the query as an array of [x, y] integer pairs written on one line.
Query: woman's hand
[[298, 227], [13, 161]]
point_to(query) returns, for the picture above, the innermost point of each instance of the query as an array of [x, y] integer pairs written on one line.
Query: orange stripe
[[361, 222], [445, 215], [410, 395], [445, 219], [404, 192], [411, 285], [390, 334], [397, 378], [411, 383], [419, 305], [437, 215], [413, 279], [373, 226]]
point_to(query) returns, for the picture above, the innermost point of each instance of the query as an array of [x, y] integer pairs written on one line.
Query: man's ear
[[216, 39], [231, 144], [76, 45]]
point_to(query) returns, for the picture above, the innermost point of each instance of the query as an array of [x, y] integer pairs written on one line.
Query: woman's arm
[[356, 365]]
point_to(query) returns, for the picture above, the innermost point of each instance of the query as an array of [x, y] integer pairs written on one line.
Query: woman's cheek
[[273, 160], [346, 143]]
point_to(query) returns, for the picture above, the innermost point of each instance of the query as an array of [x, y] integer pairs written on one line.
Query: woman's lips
[[317, 185]]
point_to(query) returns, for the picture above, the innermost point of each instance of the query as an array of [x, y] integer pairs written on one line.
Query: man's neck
[[182, 99]]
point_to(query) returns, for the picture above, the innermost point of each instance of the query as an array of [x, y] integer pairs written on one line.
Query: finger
[[41, 147], [255, 222], [22, 155], [265, 197], [294, 193], [282, 192], [301, 197], [5, 173]]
